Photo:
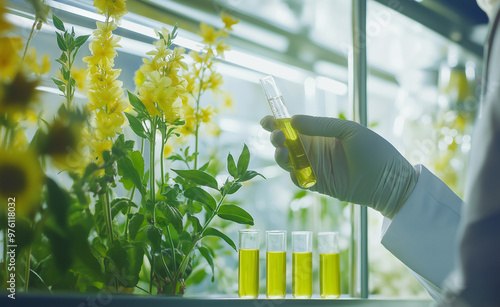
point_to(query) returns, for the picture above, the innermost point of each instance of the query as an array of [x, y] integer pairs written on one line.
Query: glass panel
[[420, 99], [427, 115]]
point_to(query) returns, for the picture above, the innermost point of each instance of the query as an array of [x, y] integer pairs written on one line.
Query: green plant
[[86, 234]]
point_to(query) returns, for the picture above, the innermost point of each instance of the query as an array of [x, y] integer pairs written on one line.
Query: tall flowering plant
[[182, 203], [100, 211]]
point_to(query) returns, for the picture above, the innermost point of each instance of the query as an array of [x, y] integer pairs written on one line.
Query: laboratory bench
[[111, 300]]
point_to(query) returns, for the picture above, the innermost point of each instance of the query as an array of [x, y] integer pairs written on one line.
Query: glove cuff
[[398, 182]]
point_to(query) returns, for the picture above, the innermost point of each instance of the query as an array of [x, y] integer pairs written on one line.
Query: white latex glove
[[351, 162]]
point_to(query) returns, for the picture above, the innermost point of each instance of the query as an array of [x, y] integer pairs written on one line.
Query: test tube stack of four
[[302, 271]]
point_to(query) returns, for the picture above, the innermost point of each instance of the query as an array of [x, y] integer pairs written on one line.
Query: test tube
[[248, 268], [329, 265], [298, 157], [276, 264], [302, 264]]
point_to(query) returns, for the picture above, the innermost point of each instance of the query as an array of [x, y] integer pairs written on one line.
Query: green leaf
[[135, 224], [58, 202], [89, 265], [153, 233], [243, 160], [249, 175], [58, 82], [138, 161], [235, 214], [119, 257], [62, 88], [172, 214], [60, 42], [234, 188], [135, 255], [231, 166], [128, 170], [98, 247], [206, 253], [202, 196], [118, 204], [196, 223], [199, 177], [136, 126], [217, 233], [122, 147], [204, 167], [136, 103], [80, 40], [58, 23]]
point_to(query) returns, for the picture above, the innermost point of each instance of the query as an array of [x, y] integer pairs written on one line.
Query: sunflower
[[19, 94], [21, 180]]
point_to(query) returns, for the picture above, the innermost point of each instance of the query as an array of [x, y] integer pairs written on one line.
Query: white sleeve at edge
[[423, 233]]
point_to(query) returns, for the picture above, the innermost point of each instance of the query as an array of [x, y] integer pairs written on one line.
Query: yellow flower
[[215, 81], [98, 147], [111, 8], [104, 29], [190, 120], [80, 76], [118, 106], [21, 180], [107, 125], [209, 34], [20, 140], [161, 51], [228, 20], [139, 77], [102, 96], [191, 82], [221, 47], [65, 145], [9, 57], [45, 65], [19, 94], [227, 102], [4, 24], [167, 150], [175, 60], [31, 62], [207, 114]]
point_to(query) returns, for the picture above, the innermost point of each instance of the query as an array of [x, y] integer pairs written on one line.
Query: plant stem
[[152, 142], [173, 247], [197, 117], [29, 39], [69, 87], [107, 217], [193, 244], [163, 142], [128, 211], [27, 269]]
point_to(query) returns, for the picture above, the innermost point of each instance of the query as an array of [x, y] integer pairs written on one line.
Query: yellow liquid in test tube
[[276, 274], [329, 275], [302, 275], [298, 158], [248, 273]]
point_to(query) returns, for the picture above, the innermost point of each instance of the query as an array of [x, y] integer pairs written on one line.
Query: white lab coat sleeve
[[423, 233]]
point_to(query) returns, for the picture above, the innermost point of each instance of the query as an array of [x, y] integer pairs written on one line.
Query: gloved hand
[[351, 162]]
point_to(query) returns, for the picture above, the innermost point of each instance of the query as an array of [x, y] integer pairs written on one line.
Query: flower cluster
[[202, 77], [21, 177], [159, 83], [105, 92]]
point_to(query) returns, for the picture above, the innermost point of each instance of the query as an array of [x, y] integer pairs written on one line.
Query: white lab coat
[[428, 233]]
